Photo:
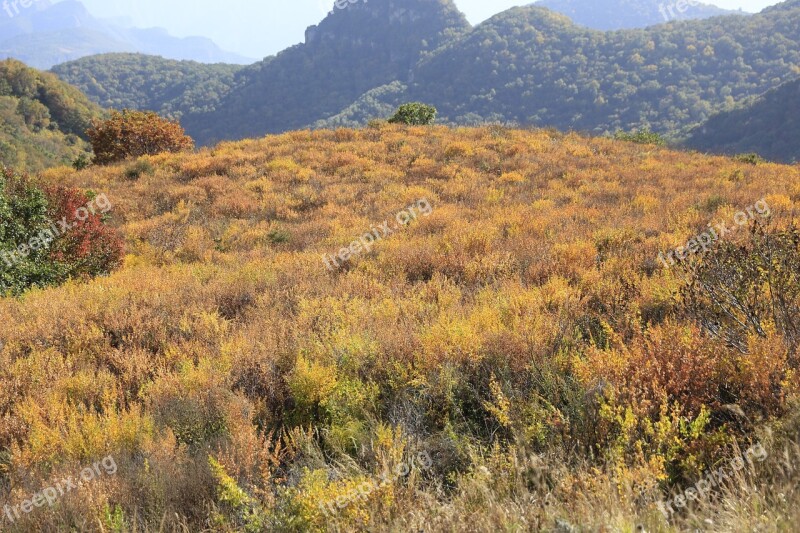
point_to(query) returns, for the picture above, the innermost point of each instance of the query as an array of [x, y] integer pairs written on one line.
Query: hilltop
[[42, 119], [352, 51], [415, 329]]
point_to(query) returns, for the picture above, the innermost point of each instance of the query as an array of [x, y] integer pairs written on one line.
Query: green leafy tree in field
[[414, 114]]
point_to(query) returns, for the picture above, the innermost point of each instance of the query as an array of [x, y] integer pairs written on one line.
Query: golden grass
[[524, 334]]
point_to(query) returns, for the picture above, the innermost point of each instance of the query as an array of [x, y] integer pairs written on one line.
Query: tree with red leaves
[[89, 247]]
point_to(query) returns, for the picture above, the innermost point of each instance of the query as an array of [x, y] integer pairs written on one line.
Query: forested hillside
[[527, 65], [768, 126], [532, 66], [352, 51], [42, 119], [137, 81]]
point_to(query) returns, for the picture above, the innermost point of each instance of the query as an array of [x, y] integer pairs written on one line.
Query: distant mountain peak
[[363, 17], [48, 33]]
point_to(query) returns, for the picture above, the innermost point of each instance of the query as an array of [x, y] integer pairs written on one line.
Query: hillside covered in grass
[[408, 329], [43, 121]]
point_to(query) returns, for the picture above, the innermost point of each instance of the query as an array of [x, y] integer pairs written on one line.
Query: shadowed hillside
[[768, 126]]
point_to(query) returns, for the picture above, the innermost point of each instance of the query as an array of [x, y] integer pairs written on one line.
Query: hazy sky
[[258, 28]]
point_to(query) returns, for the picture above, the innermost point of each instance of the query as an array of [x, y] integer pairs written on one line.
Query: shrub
[[81, 162], [414, 114], [140, 167], [35, 250], [641, 137], [90, 248], [23, 215], [135, 133], [747, 289], [751, 158]]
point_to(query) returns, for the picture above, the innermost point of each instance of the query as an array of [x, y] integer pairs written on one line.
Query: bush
[[81, 162], [751, 158], [641, 137], [414, 114], [750, 288], [140, 167], [135, 133], [36, 250]]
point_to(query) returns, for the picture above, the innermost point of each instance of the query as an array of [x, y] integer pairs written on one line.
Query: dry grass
[[524, 335]]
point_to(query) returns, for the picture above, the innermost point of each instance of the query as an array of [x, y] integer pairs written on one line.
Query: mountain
[[627, 14], [138, 81], [352, 51], [527, 65], [532, 66], [42, 119], [46, 34], [768, 126]]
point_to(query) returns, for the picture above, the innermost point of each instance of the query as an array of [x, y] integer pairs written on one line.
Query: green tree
[[414, 114]]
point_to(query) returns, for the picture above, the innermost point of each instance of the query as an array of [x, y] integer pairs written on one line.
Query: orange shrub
[[135, 133]]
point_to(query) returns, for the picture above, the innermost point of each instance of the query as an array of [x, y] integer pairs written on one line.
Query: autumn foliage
[[135, 133], [33, 213], [524, 335]]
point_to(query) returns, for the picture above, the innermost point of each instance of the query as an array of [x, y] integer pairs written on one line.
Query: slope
[[499, 325], [768, 126], [137, 81], [532, 66], [42, 119], [353, 50], [529, 66]]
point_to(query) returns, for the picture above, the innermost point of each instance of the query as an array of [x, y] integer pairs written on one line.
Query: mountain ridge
[[768, 125], [50, 33], [527, 65]]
